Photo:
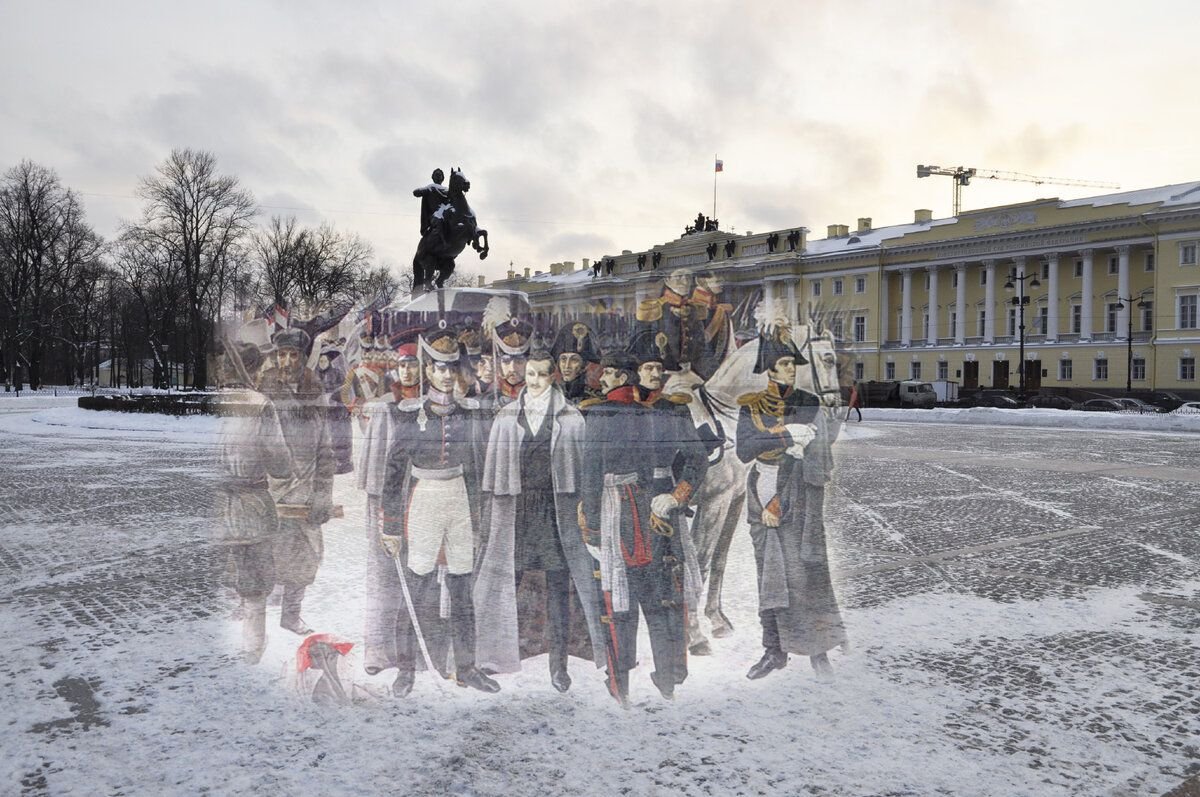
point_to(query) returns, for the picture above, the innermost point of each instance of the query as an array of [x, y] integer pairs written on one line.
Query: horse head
[[821, 352], [458, 181]]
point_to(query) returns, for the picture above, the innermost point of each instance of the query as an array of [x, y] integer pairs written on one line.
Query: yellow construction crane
[[962, 176]]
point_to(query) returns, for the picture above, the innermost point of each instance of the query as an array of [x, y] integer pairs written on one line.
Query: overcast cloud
[[590, 127]]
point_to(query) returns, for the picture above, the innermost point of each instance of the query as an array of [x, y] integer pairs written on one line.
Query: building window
[[837, 287], [954, 279], [889, 371], [1114, 264], [1187, 253], [982, 323], [916, 370], [1100, 370], [816, 288], [1187, 369], [1110, 318], [1076, 318], [1138, 371], [1041, 321], [1078, 267], [860, 328], [1045, 271], [927, 280], [953, 323], [925, 326], [1187, 312], [1012, 321], [1147, 316], [1065, 368], [983, 276], [859, 372], [860, 284], [1149, 261], [943, 369], [837, 329]]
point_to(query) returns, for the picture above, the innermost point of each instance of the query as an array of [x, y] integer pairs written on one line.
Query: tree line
[[146, 304]]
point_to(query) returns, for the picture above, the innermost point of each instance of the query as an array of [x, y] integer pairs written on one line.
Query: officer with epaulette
[[643, 461], [575, 354], [797, 606], [676, 326], [441, 440]]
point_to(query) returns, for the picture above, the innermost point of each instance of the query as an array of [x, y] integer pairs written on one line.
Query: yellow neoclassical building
[[1111, 288]]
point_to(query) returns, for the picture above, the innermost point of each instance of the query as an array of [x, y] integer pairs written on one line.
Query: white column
[[791, 300], [1123, 292], [960, 305], [906, 308], [931, 333], [1051, 330], [1085, 322], [883, 322], [989, 302], [769, 299]]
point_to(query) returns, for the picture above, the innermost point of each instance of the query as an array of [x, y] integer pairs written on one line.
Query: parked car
[[1049, 401], [998, 399], [1137, 405], [1101, 405], [1187, 408], [1165, 400]]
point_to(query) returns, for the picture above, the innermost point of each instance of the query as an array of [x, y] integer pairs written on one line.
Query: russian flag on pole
[[720, 166]]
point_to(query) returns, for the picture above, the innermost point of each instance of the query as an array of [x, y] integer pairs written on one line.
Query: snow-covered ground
[[1013, 631], [1057, 419]]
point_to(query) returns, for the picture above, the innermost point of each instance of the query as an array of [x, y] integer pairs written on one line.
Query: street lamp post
[[1129, 338], [1019, 301]]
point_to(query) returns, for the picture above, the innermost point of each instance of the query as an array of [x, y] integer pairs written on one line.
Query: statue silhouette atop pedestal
[[448, 230]]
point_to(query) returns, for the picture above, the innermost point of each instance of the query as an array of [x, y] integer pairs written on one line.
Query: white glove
[[594, 550], [801, 433], [662, 505], [391, 544]]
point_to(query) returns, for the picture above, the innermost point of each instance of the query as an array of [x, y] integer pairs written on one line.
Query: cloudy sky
[[591, 127]]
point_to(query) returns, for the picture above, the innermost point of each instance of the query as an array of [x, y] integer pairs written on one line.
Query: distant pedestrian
[[855, 403]]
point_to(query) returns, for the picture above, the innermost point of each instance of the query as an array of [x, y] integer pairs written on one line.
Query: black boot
[[665, 684], [474, 678], [771, 660], [403, 683]]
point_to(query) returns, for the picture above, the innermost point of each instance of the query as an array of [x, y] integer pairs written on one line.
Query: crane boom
[[962, 176]]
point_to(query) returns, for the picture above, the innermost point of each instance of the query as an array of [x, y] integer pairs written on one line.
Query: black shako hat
[[774, 343], [441, 344], [575, 337], [292, 338]]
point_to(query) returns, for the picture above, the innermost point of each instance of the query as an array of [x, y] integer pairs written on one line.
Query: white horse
[[722, 495]]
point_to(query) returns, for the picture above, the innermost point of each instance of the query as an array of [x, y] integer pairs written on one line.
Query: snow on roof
[[825, 246], [1165, 195], [573, 278]]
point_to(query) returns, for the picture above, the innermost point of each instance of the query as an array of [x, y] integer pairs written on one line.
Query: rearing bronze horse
[[451, 228]]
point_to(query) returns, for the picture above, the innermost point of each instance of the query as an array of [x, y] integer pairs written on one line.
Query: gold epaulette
[[588, 403], [679, 398], [650, 310], [746, 399]]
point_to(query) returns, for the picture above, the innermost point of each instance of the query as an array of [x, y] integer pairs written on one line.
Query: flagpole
[[714, 215]]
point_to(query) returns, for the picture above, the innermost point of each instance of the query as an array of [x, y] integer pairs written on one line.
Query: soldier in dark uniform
[[575, 353], [676, 328], [797, 606], [511, 340], [441, 441], [643, 461]]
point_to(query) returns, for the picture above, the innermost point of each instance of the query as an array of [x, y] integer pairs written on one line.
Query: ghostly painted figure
[[575, 352], [642, 461], [784, 432], [535, 452], [304, 498], [439, 441], [252, 450]]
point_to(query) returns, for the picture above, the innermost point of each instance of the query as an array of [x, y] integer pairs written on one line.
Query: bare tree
[[311, 268], [42, 232], [154, 278], [199, 217]]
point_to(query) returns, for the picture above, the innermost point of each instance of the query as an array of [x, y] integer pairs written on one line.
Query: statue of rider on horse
[[447, 225]]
